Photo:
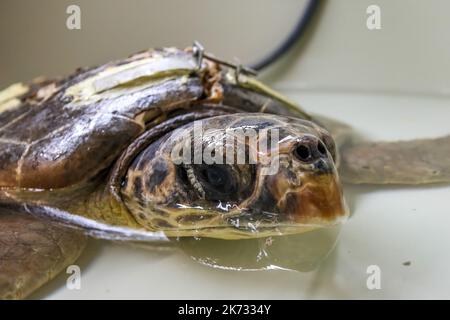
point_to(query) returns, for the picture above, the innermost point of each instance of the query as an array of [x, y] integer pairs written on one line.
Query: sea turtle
[[92, 155]]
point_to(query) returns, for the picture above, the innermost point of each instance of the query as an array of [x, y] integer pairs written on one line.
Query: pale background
[[409, 54], [389, 84]]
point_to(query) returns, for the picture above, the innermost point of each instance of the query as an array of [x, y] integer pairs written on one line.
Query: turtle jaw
[[318, 202], [299, 197], [284, 206]]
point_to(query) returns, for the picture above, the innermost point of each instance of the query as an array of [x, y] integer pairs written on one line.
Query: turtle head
[[237, 176]]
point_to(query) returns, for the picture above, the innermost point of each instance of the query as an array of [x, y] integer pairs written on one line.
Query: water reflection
[[301, 252]]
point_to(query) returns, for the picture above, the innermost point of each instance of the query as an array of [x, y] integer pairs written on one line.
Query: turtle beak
[[303, 194], [317, 201]]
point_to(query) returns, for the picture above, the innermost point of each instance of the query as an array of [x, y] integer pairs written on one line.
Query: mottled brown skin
[[300, 194]]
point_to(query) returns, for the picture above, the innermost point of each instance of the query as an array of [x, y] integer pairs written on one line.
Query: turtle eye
[[221, 182], [216, 177], [217, 181]]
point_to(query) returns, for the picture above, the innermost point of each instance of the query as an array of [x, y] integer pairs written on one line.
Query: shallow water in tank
[[300, 252]]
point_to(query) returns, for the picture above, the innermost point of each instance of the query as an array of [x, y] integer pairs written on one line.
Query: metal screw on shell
[[198, 50], [199, 53], [237, 72]]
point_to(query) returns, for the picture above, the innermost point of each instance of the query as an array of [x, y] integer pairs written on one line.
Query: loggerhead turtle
[[92, 155]]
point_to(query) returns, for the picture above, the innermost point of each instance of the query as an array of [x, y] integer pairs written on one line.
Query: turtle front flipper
[[32, 252], [418, 161]]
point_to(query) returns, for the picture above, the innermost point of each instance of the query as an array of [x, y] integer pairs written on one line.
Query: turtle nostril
[[321, 148], [303, 153]]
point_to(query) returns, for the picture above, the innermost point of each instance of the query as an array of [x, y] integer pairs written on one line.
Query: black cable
[[298, 31]]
